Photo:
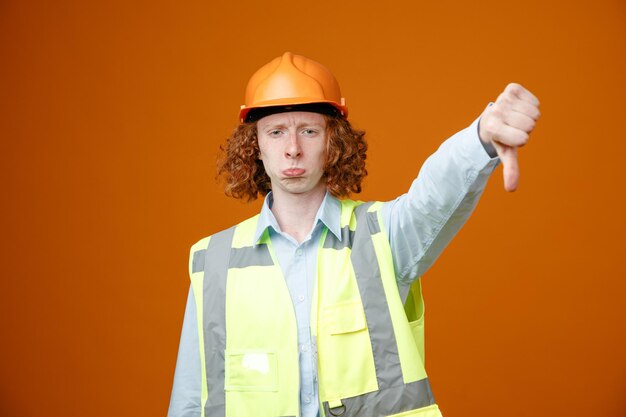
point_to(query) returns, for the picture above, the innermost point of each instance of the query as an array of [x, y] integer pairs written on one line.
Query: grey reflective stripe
[[387, 402], [372, 221], [214, 319], [258, 255], [197, 264], [347, 237], [368, 277]]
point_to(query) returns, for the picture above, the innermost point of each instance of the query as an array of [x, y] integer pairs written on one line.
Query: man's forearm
[[422, 222]]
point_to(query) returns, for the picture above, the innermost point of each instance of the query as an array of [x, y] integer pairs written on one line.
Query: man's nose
[[293, 149]]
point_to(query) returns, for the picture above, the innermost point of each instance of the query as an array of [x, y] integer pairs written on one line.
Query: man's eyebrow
[[299, 125], [272, 126], [311, 124]]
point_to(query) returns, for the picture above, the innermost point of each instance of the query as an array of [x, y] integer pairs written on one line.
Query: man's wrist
[[488, 146]]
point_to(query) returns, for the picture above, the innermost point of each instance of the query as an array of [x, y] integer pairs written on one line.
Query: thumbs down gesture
[[506, 125]]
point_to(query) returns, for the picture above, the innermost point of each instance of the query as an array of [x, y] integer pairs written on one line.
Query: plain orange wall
[[111, 117]]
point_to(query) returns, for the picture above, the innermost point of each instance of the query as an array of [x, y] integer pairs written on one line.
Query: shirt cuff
[[474, 147]]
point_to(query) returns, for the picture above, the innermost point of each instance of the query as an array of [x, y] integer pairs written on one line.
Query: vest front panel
[[369, 362]]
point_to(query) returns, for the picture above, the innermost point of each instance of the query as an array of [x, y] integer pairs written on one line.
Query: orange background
[[111, 117]]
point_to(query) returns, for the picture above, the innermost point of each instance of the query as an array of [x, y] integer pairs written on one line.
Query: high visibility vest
[[370, 345]]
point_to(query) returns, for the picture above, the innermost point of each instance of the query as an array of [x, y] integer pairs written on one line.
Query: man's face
[[293, 151]]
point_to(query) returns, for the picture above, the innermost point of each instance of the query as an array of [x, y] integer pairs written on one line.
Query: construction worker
[[313, 307]]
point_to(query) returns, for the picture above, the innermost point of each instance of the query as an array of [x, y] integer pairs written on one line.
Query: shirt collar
[[329, 214]]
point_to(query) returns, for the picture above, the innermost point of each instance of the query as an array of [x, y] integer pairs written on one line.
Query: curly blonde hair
[[244, 175]]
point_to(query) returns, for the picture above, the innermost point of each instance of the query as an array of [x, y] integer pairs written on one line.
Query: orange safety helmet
[[292, 80]]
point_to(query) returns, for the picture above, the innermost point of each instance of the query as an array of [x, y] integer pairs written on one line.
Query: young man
[[313, 307]]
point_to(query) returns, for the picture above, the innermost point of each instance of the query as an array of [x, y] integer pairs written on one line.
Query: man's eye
[[309, 132], [275, 133]]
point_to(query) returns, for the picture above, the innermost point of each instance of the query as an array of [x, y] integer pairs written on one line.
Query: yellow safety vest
[[370, 345]]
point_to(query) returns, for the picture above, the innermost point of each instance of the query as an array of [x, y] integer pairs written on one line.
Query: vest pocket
[[347, 317], [343, 340], [250, 370]]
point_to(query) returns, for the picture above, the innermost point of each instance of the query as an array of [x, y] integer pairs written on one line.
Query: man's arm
[[186, 392], [421, 223]]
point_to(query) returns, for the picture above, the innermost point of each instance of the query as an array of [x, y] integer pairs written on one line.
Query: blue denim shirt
[[419, 225]]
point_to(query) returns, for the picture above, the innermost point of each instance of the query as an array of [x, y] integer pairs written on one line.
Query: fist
[[506, 125]]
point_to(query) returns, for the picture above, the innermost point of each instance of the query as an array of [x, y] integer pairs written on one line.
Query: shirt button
[[304, 348], [301, 298], [307, 399], [299, 252]]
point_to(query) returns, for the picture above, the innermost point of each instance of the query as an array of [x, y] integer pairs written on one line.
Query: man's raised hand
[[507, 125]]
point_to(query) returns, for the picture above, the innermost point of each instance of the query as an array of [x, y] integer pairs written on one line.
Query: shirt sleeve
[[186, 392], [421, 223]]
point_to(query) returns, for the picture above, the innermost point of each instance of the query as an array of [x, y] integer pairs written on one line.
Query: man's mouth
[[293, 172]]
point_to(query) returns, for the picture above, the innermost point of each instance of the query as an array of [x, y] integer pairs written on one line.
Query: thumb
[[510, 167]]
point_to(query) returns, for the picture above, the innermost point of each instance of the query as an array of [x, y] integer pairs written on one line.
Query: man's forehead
[[292, 118]]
